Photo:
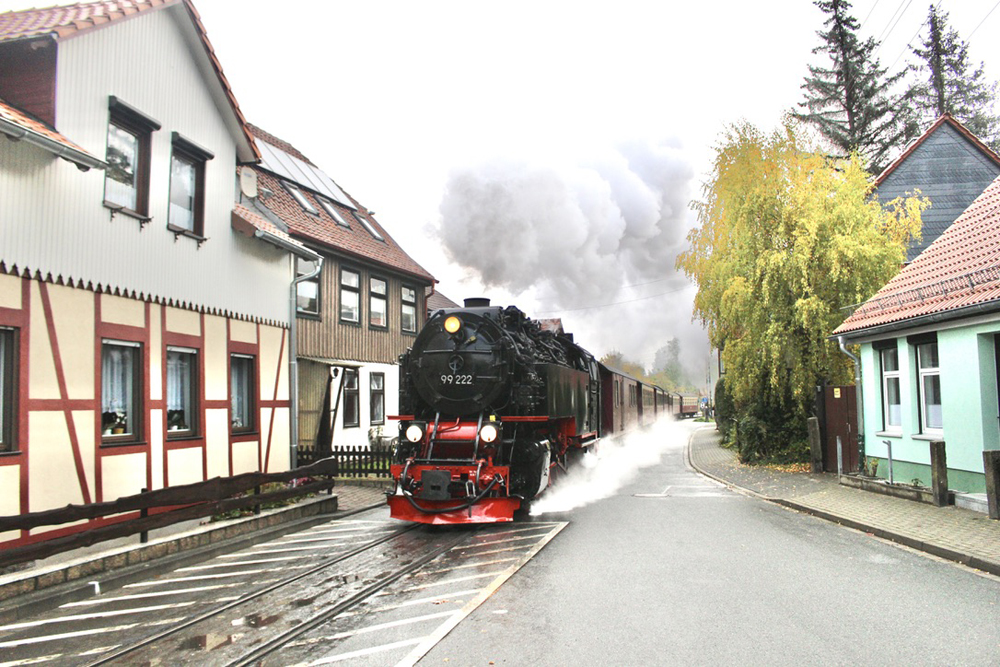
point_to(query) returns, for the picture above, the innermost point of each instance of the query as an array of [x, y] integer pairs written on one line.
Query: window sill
[[349, 323], [106, 441], [119, 209], [889, 434], [929, 437], [305, 315], [181, 437], [180, 231]]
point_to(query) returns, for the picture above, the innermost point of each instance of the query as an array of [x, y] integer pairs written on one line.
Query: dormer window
[[126, 180], [332, 211], [298, 196], [369, 227]]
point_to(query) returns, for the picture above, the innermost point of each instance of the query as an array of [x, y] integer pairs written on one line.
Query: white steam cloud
[[616, 462], [581, 237]]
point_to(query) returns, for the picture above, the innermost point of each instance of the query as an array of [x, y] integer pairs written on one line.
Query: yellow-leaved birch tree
[[788, 237]]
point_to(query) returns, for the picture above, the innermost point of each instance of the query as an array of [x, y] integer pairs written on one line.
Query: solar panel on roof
[[298, 171]]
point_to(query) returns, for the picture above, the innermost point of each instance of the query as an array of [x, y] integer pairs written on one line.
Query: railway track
[[360, 587]]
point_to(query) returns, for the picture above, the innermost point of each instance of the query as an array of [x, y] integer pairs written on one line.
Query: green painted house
[[930, 353]]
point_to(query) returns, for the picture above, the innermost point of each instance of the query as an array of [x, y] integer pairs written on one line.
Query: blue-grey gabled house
[[950, 166]]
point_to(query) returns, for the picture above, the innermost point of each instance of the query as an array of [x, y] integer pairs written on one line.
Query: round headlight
[[452, 324], [414, 433], [489, 433]]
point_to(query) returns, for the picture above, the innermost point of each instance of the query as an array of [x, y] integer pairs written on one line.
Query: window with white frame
[[350, 296], [377, 384], [121, 391], [306, 291], [241, 380], [377, 312], [352, 407], [892, 408], [182, 392], [929, 383], [409, 310]]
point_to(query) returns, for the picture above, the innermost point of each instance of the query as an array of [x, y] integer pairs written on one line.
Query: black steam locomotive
[[494, 404]]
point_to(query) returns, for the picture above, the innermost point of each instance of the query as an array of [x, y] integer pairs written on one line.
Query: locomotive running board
[[487, 510]]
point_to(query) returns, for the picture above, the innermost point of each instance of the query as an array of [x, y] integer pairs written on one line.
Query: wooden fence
[[175, 504], [362, 462]]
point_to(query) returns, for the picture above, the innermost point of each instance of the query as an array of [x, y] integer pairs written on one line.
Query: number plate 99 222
[[456, 379]]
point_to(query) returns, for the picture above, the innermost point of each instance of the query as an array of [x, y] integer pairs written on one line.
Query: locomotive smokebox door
[[435, 485]]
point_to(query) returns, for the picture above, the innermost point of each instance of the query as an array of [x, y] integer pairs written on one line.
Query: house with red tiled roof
[[144, 316], [950, 166], [357, 310], [930, 353]]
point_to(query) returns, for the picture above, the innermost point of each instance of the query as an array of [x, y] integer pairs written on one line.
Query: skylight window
[[301, 199], [368, 226], [333, 212]]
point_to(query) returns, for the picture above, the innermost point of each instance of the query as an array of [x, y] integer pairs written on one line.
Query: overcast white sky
[[549, 117]]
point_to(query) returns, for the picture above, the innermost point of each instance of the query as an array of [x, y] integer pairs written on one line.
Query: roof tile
[[323, 230], [960, 268]]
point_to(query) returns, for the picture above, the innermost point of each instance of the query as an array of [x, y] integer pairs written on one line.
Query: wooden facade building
[[356, 316]]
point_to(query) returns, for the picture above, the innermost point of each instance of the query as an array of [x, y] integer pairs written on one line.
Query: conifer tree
[[947, 82], [850, 101]]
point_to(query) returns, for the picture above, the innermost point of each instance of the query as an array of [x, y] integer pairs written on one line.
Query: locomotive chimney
[[477, 302]]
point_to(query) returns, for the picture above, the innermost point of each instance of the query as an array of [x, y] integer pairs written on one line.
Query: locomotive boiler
[[494, 404]]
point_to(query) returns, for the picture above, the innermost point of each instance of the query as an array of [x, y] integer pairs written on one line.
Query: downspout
[[293, 390], [860, 402]]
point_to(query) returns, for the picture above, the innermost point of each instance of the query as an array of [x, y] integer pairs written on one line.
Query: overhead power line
[[983, 21]]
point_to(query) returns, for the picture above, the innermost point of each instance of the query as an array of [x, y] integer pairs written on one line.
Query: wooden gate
[[841, 420]]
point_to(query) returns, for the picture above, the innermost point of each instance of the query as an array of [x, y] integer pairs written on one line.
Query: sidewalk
[[75, 569], [961, 535]]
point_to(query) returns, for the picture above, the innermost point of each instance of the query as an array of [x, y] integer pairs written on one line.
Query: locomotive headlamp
[[415, 432], [489, 433], [452, 324]]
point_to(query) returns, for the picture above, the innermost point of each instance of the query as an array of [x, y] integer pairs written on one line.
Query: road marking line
[[259, 561], [442, 631], [430, 573], [444, 583], [212, 576], [87, 617], [138, 596], [372, 628], [67, 635], [368, 651], [496, 542], [32, 661]]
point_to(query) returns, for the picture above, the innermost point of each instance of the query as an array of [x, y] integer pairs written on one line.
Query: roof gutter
[[83, 160], [988, 307]]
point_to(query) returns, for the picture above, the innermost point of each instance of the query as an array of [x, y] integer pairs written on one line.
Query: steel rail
[[247, 598], [284, 638]]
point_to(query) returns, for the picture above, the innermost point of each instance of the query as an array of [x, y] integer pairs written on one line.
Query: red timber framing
[[266, 359], [20, 319]]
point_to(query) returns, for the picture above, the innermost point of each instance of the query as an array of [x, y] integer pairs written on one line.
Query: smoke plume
[[594, 243]]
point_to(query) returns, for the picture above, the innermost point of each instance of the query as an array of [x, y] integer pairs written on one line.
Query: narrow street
[[677, 569]]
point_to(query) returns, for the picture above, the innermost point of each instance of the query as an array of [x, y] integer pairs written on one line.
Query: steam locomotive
[[495, 405]]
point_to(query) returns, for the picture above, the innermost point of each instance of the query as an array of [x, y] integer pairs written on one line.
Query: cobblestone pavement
[[949, 532]]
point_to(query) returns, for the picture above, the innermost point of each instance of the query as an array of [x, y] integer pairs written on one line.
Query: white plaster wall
[[123, 475]]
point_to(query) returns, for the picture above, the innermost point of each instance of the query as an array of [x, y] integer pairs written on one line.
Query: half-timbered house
[[144, 316]]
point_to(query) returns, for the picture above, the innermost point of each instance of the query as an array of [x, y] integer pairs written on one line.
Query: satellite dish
[[248, 182]]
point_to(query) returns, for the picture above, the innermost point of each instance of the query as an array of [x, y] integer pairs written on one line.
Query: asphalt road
[[673, 568]]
